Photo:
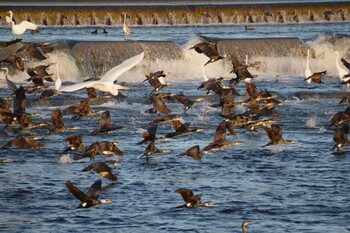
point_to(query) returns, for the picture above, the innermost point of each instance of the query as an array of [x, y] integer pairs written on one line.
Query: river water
[[300, 187]]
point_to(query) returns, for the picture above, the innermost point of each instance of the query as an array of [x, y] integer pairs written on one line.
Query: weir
[[179, 14], [94, 58]]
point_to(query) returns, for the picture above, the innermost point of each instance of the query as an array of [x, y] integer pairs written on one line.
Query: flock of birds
[[261, 109]]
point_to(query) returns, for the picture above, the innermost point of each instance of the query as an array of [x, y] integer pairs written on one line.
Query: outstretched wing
[[116, 71], [77, 86], [76, 192], [28, 25]]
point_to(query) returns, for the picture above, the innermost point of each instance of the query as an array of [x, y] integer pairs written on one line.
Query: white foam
[[65, 159], [312, 122]]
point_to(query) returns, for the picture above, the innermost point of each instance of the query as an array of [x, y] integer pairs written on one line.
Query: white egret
[[58, 82], [106, 83], [307, 72], [312, 77], [18, 29], [342, 73], [126, 29], [11, 85], [204, 75]]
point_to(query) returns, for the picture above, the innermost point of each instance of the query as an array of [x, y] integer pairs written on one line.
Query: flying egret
[[126, 29], [18, 29], [106, 83]]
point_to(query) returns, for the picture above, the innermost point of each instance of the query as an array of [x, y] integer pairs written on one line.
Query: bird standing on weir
[[19, 29]]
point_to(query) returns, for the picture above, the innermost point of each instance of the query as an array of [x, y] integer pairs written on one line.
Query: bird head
[[105, 201]]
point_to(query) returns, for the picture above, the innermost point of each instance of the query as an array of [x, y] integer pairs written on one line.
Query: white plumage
[[126, 29], [18, 29], [307, 71], [341, 71], [106, 83]]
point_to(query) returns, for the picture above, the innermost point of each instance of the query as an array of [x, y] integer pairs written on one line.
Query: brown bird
[[25, 123], [102, 169], [23, 143], [208, 49], [220, 137], [181, 98], [152, 149], [34, 50], [47, 93], [345, 99], [105, 124], [181, 129], [19, 103], [340, 138], [274, 133], [214, 85], [91, 93], [100, 148], [166, 119], [240, 70], [340, 117], [156, 80], [75, 142], [84, 109], [57, 122], [193, 152], [316, 77], [158, 104], [38, 80], [39, 70], [88, 199], [150, 135], [244, 225], [191, 200], [15, 61]]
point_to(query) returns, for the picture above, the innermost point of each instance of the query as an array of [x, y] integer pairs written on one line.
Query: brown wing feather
[[77, 192], [186, 194]]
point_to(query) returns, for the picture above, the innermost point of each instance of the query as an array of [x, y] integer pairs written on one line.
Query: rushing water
[[299, 187]]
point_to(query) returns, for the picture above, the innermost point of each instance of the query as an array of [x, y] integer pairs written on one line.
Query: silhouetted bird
[[181, 129], [75, 142], [220, 137], [340, 138], [100, 148], [191, 200], [24, 143], [240, 70], [152, 149], [209, 49], [193, 152], [156, 80], [89, 198], [105, 124], [102, 169], [57, 122], [158, 104], [181, 98], [340, 117], [274, 133]]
